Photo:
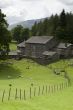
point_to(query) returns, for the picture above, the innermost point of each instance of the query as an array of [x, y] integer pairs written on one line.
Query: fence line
[[35, 91]]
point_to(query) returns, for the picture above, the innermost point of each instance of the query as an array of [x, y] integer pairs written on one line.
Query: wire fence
[[23, 94]]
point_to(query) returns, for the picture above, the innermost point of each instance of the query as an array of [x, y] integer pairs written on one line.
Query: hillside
[[16, 74], [26, 24]]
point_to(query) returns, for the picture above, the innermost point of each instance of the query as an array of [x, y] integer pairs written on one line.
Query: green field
[[13, 46], [24, 74]]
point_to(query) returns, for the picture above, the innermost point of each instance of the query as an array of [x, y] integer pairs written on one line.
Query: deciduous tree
[[5, 36]]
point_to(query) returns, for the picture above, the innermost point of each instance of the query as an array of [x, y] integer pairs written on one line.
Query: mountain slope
[[26, 24]]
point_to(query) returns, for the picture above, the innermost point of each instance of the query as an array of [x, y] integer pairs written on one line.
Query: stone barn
[[50, 56], [35, 46], [45, 49], [64, 50]]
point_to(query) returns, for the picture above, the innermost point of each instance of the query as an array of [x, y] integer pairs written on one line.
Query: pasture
[[25, 74], [13, 46]]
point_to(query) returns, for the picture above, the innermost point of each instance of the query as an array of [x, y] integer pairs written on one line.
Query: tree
[[25, 34], [34, 29], [5, 36], [20, 34], [69, 27], [63, 21], [45, 27], [60, 26], [39, 29], [61, 33], [61, 29], [17, 33], [55, 24]]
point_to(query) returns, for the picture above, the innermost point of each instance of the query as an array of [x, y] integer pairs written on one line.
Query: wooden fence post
[[46, 89], [62, 85], [69, 83], [16, 93], [9, 93], [3, 95], [52, 89], [30, 92], [57, 87], [20, 94], [49, 89], [34, 91], [39, 91], [66, 84], [43, 90], [24, 95]]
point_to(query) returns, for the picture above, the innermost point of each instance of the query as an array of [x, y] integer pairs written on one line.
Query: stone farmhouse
[[44, 49]]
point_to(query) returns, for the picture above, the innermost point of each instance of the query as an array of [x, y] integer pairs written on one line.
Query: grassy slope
[[38, 75], [13, 46]]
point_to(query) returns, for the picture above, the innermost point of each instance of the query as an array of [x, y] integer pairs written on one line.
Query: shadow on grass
[[8, 72]]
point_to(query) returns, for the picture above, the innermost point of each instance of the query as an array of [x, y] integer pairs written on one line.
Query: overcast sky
[[20, 10]]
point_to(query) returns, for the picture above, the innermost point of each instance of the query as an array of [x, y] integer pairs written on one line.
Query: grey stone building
[[45, 49], [35, 46], [50, 56], [64, 50], [21, 48]]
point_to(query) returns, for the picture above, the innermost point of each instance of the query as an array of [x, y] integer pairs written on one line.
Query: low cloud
[[14, 19], [67, 2], [6, 3], [18, 10]]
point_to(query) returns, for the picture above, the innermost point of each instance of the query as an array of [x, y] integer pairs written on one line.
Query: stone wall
[[65, 53], [22, 50], [34, 50], [52, 44]]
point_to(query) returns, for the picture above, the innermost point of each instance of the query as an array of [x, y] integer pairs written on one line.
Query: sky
[[21, 10]]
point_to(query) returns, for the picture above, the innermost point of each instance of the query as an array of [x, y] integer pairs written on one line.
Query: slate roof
[[39, 39], [49, 53], [22, 44], [63, 45]]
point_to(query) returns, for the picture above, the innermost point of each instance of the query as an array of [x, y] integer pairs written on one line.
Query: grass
[[13, 46], [61, 100], [36, 74], [25, 72]]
